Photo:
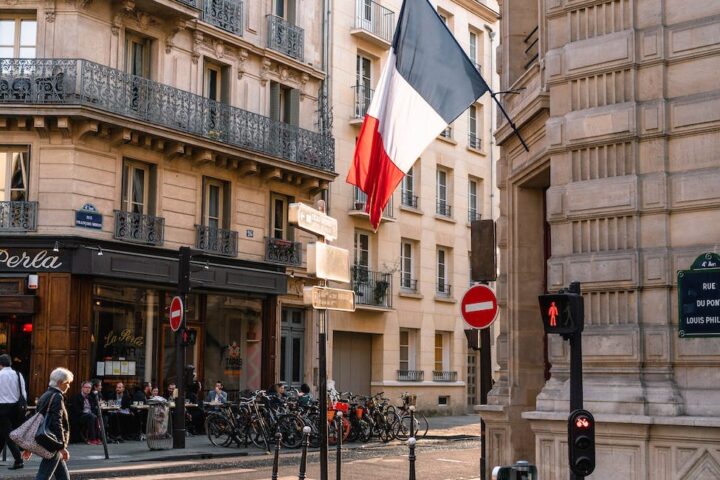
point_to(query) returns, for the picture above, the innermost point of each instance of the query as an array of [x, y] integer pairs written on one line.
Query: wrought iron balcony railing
[[443, 290], [443, 376], [409, 200], [225, 14], [443, 208], [474, 141], [410, 375], [360, 204], [18, 216], [139, 228], [216, 240], [81, 82], [372, 288], [407, 283], [374, 18], [191, 3], [473, 215], [363, 96], [284, 252], [285, 37]]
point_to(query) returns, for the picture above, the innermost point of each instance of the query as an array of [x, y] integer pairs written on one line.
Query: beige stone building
[[407, 333], [129, 129], [620, 109]]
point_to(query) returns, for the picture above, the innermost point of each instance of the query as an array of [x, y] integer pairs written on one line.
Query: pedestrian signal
[[581, 442], [189, 336], [562, 313]]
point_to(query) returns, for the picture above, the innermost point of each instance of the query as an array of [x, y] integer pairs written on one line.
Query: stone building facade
[[618, 103], [407, 333]]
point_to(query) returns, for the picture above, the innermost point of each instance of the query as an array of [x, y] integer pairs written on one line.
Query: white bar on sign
[[477, 307]]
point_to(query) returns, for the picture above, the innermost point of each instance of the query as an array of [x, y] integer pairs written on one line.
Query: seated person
[[276, 395], [172, 392], [155, 395], [305, 398], [84, 408], [142, 395], [121, 421], [217, 395]]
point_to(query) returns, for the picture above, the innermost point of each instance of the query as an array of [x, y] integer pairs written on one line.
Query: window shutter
[[275, 101], [227, 205], [291, 15], [294, 107], [152, 191]]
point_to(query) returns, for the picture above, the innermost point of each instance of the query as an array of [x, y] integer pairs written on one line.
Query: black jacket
[[125, 402], [77, 404], [56, 414]]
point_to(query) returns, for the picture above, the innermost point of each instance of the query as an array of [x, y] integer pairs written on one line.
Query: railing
[[191, 3], [18, 216], [443, 376], [407, 283], [447, 133], [139, 228], [284, 252], [443, 208], [285, 37], [359, 206], [409, 200], [410, 375], [225, 14], [375, 18], [363, 96], [216, 240], [81, 82], [474, 141], [443, 290], [473, 215], [532, 50], [372, 288]]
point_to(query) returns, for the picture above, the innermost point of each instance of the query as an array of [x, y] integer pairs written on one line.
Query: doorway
[[292, 351], [16, 340], [352, 360]]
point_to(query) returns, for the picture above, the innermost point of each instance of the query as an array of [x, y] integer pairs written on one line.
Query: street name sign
[[328, 262], [176, 313], [323, 298], [314, 221], [699, 298], [479, 306]]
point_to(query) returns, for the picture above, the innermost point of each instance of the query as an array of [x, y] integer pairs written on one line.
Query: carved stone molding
[[219, 47], [175, 28], [242, 58], [264, 71], [197, 42]]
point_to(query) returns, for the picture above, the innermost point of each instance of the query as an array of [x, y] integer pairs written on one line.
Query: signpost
[[699, 298], [323, 298], [176, 313], [479, 306]]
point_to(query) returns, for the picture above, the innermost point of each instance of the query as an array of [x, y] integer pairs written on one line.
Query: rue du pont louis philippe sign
[[699, 297]]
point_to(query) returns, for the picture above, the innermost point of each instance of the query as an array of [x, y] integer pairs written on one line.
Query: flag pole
[[512, 125]]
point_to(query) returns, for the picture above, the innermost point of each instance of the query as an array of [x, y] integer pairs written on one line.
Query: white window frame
[[6, 174], [284, 231], [441, 277], [407, 265], [472, 199], [209, 69], [410, 362], [208, 185], [17, 44], [358, 249], [472, 51], [129, 167], [146, 44], [408, 187], [441, 188]]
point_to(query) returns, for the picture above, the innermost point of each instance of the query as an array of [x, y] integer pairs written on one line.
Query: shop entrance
[[292, 342], [16, 340]]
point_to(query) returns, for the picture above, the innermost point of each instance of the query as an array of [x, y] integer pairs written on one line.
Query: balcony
[[88, 84], [409, 200], [374, 23], [357, 208], [443, 376], [443, 209], [225, 14], [18, 216], [216, 240], [283, 252], [410, 375], [408, 284], [363, 96], [139, 228], [474, 141], [190, 3], [285, 37], [372, 288], [443, 290]]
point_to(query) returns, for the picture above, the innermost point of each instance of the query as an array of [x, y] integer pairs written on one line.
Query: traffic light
[[562, 313], [189, 335], [581, 442]]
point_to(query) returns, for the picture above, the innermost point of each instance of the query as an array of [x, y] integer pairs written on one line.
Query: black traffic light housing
[[581, 442], [562, 313], [189, 336]]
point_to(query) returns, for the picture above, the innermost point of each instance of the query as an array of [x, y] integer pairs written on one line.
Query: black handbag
[[21, 404], [46, 438]]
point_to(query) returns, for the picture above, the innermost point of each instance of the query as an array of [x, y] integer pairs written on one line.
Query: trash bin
[[159, 426]]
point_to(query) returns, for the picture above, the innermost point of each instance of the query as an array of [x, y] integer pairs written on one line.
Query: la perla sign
[[31, 260]]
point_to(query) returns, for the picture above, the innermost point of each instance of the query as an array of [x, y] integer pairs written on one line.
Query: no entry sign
[[176, 313], [479, 306]]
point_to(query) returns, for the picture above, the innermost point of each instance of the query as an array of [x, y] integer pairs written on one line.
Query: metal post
[[412, 420], [411, 457], [103, 436], [305, 445], [485, 386], [183, 290], [276, 460], [322, 387], [338, 446], [576, 370]]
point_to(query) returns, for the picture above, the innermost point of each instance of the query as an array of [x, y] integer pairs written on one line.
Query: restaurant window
[[216, 203], [14, 171], [167, 353], [138, 183], [18, 37]]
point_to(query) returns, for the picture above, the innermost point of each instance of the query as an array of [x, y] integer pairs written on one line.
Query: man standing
[[12, 389]]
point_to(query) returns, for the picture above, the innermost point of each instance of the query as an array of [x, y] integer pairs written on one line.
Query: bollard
[[276, 460], [412, 421], [303, 458], [411, 457], [338, 455]]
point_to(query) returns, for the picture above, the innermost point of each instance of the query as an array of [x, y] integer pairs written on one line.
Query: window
[[136, 184], [359, 199], [362, 250], [214, 203], [18, 37], [14, 169], [442, 353], [216, 88], [443, 288], [473, 200], [406, 266], [443, 207], [407, 349], [363, 85], [473, 136], [408, 189], [472, 52], [137, 61], [279, 228], [447, 133], [285, 9], [284, 104]]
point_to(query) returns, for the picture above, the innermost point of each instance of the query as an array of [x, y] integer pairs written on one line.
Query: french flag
[[427, 82]]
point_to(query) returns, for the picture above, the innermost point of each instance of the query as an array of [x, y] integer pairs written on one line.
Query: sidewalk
[[88, 461]]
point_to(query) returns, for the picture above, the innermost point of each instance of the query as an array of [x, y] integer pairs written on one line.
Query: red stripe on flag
[[373, 171]]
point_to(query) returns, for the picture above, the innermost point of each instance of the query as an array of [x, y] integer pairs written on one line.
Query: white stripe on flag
[[477, 307]]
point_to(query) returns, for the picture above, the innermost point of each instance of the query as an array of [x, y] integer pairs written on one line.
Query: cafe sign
[[33, 260]]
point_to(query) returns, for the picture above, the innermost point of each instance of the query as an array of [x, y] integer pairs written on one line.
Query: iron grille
[[444, 376], [443, 208], [372, 288], [225, 14], [284, 252], [374, 18], [216, 240], [410, 375], [139, 228], [286, 38], [363, 96], [18, 216]]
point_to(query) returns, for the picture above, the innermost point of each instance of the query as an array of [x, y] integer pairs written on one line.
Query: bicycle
[[404, 427]]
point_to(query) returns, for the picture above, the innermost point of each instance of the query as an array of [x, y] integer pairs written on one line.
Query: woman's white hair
[[60, 375]]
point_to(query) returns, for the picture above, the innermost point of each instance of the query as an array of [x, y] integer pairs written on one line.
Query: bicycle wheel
[[402, 429], [391, 419], [364, 431], [258, 435], [291, 428], [422, 425], [219, 430]]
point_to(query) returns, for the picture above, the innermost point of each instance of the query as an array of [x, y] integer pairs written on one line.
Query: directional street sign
[[328, 262], [176, 313], [312, 220], [322, 298], [479, 306]]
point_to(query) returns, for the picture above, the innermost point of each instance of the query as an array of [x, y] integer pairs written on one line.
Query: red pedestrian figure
[[553, 312]]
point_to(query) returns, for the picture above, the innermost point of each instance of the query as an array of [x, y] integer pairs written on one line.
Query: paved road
[[446, 461]]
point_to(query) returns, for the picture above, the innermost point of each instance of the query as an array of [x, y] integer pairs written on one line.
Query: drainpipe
[[491, 35]]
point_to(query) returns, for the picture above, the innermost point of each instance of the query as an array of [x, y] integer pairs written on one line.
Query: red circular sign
[[176, 313], [479, 306]]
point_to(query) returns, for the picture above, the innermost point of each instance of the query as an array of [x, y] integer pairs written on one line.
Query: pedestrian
[[57, 422], [12, 394], [305, 398], [84, 408]]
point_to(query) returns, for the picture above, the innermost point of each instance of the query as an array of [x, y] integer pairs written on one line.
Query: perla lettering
[[40, 260]]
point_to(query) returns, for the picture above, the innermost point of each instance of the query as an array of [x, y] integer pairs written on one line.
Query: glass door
[[292, 341]]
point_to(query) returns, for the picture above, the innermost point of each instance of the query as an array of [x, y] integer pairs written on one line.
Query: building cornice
[[479, 9]]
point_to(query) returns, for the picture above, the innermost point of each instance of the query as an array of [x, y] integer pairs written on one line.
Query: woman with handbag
[[55, 429]]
